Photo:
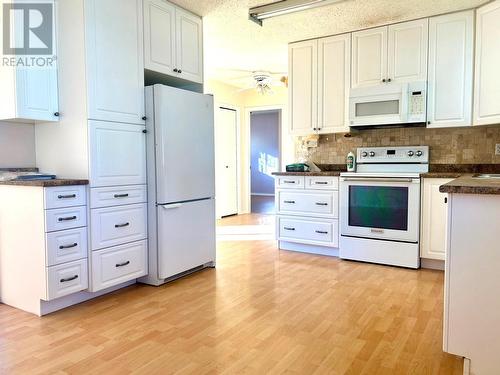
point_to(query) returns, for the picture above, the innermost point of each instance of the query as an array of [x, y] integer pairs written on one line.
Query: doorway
[[226, 161], [264, 158]]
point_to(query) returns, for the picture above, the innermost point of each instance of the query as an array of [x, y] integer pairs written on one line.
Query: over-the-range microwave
[[388, 104]]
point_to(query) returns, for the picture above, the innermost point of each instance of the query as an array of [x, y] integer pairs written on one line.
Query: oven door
[[380, 208]]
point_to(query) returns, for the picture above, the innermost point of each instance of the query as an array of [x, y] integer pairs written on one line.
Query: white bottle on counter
[[351, 162]]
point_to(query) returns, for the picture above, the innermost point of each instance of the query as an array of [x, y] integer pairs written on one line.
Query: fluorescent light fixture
[[282, 7]]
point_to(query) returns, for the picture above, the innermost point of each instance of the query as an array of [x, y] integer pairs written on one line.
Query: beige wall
[[244, 102], [17, 145]]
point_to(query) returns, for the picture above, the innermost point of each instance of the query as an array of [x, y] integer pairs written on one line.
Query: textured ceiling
[[234, 42]]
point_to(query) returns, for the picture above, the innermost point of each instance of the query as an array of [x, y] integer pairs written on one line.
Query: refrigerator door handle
[[171, 206]]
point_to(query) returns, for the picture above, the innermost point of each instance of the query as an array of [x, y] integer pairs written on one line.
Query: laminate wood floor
[[262, 311]]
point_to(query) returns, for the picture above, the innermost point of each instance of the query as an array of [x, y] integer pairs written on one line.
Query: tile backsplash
[[472, 145]]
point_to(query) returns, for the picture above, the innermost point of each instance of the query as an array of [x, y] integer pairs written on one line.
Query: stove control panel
[[393, 155]]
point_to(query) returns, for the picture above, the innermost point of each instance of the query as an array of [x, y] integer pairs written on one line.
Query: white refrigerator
[[181, 182]]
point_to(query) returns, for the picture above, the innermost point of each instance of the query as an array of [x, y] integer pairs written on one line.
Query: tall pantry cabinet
[[101, 130]]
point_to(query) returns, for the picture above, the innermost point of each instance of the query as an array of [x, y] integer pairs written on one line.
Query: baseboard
[[310, 249], [432, 264]]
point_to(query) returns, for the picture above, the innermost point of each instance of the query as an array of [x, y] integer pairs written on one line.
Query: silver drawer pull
[[121, 195], [321, 204], [288, 228], [289, 182], [290, 202], [321, 183], [69, 218], [122, 264], [68, 246], [66, 196], [321, 232], [122, 225], [69, 279]]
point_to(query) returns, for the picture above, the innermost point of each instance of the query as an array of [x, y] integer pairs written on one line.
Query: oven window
[[384, 207], [386, 107]]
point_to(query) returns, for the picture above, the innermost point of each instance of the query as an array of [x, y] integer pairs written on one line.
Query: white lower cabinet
[[119, 264], [67, 278], [433, 235], [307, 213]]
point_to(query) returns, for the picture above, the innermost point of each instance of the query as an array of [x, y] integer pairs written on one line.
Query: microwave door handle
[[405, 106]]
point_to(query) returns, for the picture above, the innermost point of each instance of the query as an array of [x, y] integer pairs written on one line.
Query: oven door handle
[[379, 179]]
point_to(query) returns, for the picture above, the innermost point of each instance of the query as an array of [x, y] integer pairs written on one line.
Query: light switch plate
[[497, 149]]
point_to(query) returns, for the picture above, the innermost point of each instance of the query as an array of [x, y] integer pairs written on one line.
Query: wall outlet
[[497, 149]]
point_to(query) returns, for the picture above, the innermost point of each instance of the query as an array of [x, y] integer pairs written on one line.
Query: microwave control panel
[[417, 103]]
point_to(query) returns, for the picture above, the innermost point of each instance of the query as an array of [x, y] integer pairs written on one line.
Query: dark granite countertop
[[470, 185], [45, 183]]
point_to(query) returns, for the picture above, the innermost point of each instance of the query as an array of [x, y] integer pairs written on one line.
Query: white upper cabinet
[[173, 41], [115, 63], [407, 51], [369, 57], [189, 46], [303, 86], [159, 36], [487, 80], [451, 47], [117, 154], [334, 75], [29, 93], [395, 53]]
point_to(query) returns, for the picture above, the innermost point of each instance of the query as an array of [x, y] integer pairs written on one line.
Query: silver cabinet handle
[[321, 232], [121, 195], [321, 183], [68, 246], [69, 279], [122, 225], [69, 196], [289, 182], [288, 228], [321, 204], [69, 218], [291, 202], [122, 264]]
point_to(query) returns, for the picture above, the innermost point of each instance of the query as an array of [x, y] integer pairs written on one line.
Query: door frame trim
[[246, 162], [231, 107]]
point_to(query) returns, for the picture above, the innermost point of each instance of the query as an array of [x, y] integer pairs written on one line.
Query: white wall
[[17, 145]]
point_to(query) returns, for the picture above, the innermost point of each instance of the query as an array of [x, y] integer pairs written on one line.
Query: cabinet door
[[369, 57], [451, 48], [159, 36], [117, 154], [189, 46], [487, 82], [115, 66], [433, 240], [407, 51], [334, 75], [303, 87]]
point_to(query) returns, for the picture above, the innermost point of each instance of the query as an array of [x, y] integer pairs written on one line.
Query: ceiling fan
[[262, 81]]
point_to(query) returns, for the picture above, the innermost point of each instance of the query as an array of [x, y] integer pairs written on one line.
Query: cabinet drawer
[[65, 218], [118, 225], [118, 264], [65, 196], [309, 231], [117, 196], [322, 183], [289, 182], [66, 246], [67, 278], [323, 204]]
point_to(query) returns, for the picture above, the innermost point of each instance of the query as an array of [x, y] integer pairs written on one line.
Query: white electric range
[[380, 206]]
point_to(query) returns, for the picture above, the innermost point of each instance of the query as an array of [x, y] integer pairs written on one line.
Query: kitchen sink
[[487, 175]]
